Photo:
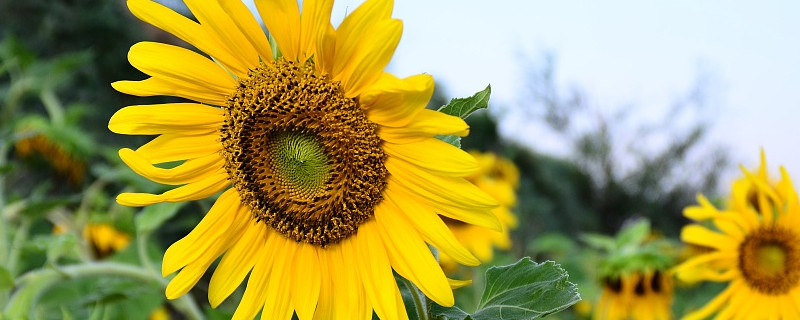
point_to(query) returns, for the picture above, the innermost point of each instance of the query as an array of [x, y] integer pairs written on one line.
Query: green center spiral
[[299, 161]]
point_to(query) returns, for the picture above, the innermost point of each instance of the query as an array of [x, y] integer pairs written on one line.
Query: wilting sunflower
[[329, 172], [498, 177], [755, 247]]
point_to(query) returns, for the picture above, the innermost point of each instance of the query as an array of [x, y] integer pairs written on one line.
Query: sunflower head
[[754, 245], [328, 171]]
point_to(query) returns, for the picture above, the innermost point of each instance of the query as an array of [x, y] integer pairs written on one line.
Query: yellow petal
[[699, 235], [166, 118], [455, 284], [354, 26], [374, 53], [282, 18], [211, 228], [192, 170], [173, 147], [426, 124], [434, 155], [350, 299], [376, 271], [306, 282], [193, 191], [328, 297], [254, 293], [237, 262], [394, 102], [713, 306], [409, 255], [324, 56], [313, 25], [221, 26], [456, 192], [179, 65], [210, 250], [249, 27], [429, 225], [186, 30], [160, 87], [278, 300]]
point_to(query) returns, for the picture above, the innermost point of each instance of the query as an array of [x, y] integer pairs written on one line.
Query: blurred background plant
[[67, 250]]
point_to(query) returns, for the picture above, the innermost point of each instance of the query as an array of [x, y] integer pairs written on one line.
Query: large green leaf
[[6, 280], [524, 290]]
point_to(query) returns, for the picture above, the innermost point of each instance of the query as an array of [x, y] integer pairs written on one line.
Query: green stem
[[141, 249], [53, 106], [419, 300], [4, 250], [42, 279], [16, 245]]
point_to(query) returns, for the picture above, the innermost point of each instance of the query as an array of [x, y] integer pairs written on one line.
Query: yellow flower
[[328, 167], [160, 314], [755, 247], [498, 177], [636, 295], [64, 162], [102, 238]]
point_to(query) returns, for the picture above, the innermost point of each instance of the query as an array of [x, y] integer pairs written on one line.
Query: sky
[[621, 52]]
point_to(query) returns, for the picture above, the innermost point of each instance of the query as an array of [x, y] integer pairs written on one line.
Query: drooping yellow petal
[[221, 26], [187, 30], [409, 255], [211, 228], [699, 235], [455, 284], [282, 18], [254, 293], [426, 124], [447, 160], [210, 250], [160, 87], [306, 282], [448, 190], [314, 24], [277, 304], [429, 225], [349, 35], [372, 56], [174, 147], [192, 170], [166, 118], [180, 66], [201, 189], [395, 102], [237, 262], [375, 271]]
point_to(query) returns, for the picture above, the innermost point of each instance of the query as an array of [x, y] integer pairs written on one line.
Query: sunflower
[[102, 238], [637, 295], [498, 177], [329, 170], [754, 246]]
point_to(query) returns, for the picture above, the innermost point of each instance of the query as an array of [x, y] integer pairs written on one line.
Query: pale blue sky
[[621, 52]]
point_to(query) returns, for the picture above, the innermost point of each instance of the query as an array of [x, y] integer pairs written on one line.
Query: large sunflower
[[754, 246], [498, 177], [329, 172]]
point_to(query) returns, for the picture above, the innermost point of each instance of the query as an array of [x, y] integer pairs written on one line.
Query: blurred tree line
[[615, 170]]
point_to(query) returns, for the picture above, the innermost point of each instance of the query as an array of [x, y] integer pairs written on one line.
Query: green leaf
[[155, 215], [526, 290], [453, 313], [599, 241], [463, 107], [634, 234], [62, 245], [6, 280]]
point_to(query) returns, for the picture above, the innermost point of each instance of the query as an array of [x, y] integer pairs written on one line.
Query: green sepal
[[462, 108]]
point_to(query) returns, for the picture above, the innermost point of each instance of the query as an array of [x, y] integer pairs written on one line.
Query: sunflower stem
[[42, 279], [419, 300], [141, 249], [3, 222]]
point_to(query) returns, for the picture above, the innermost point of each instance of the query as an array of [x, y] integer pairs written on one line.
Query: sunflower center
[[303, 157], [769, 259]]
